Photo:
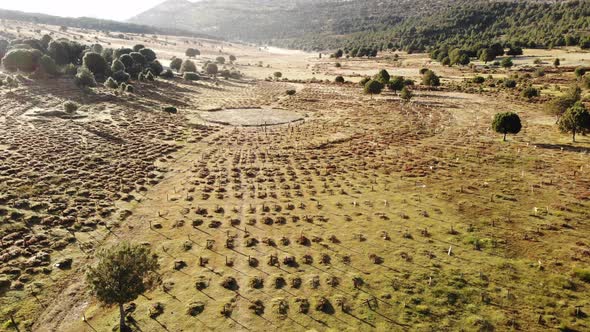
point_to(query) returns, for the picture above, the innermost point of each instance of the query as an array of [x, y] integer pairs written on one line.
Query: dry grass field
[[364, 213]]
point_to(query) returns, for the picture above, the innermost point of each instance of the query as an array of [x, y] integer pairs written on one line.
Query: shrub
[[138, 47], [580, 71], [138, 58], [582, 274], [149, 76], [364, 81], [530, 92], [156, 67], [130, 88], [373, 87], [478, 80], [291, 92], [70, 69], [338, 65], [117, 66], [24, 60], [339, 79], [396, 83], [212, 69], [232, 58], [127, 61], [277, 74], [85, 78], [509, 83], [423, 71], [382, 77], [507, 63], [48, 65], [188, 66], [70, 107], [111, 83], [191, 76], [148, 54], [167, 74], [220, 60], [121, 51], [176, 63], [95, 63], [107, 54], [406, 94], [121, 77], [192, 52], [429, 78]]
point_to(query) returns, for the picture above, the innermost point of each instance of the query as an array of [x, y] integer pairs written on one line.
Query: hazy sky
[[109, 9]]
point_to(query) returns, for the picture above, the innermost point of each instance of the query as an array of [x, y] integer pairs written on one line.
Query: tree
[[188, 66], [514, 51], [70, 107], [121, 275], [556, 63], [406, 94], [95, 63], [373, 87], [339, 79], [24, 60], [382, 76], [487, 55], [127, 60], [277, 74], [149, 54], [232, 58], [138, 59], [117, 66], [558, 106], [192, 52], [212, 69], [507, 123], [430, 78], [446, 61], [575, 120], [48, 65], [397, 83], [580, 71], [507, 63], [338, 54], [220, 60]]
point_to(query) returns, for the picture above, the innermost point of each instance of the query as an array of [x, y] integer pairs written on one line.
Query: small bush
[[582, 274], [85, 78], [48, 65], [148, 54], [127, 61], [176, 63], [192, 52], [580, 71], [212, 69], [291, 92], [167, 74], [509, 83], [364, 81], [121, 77], [430, 78], [188, 66], [111, 83], [129, 88], [70, 107], [138, 58], [220, 60], [70, 70], [156, 68], [339, 79], [478, 80], [530, 92], [191, 76], [117, 66], [149, 76]]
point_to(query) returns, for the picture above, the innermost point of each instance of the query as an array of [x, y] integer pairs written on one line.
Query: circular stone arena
[[249, 117]]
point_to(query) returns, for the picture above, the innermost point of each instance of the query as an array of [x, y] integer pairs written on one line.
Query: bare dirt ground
[[369, 214]]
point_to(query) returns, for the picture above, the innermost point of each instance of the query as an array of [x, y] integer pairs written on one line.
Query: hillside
[[411, 25]]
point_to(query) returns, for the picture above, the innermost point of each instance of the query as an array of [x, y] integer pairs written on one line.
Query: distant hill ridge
[[318, 24]]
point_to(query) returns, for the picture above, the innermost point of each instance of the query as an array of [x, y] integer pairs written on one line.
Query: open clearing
[[374, 213]]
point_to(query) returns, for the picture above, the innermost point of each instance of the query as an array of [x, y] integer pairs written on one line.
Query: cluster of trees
[[572, 116], [88, 63], [382, 79], [448, 56]]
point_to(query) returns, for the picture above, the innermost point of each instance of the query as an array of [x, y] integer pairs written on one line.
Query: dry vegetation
[[370, 213]]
